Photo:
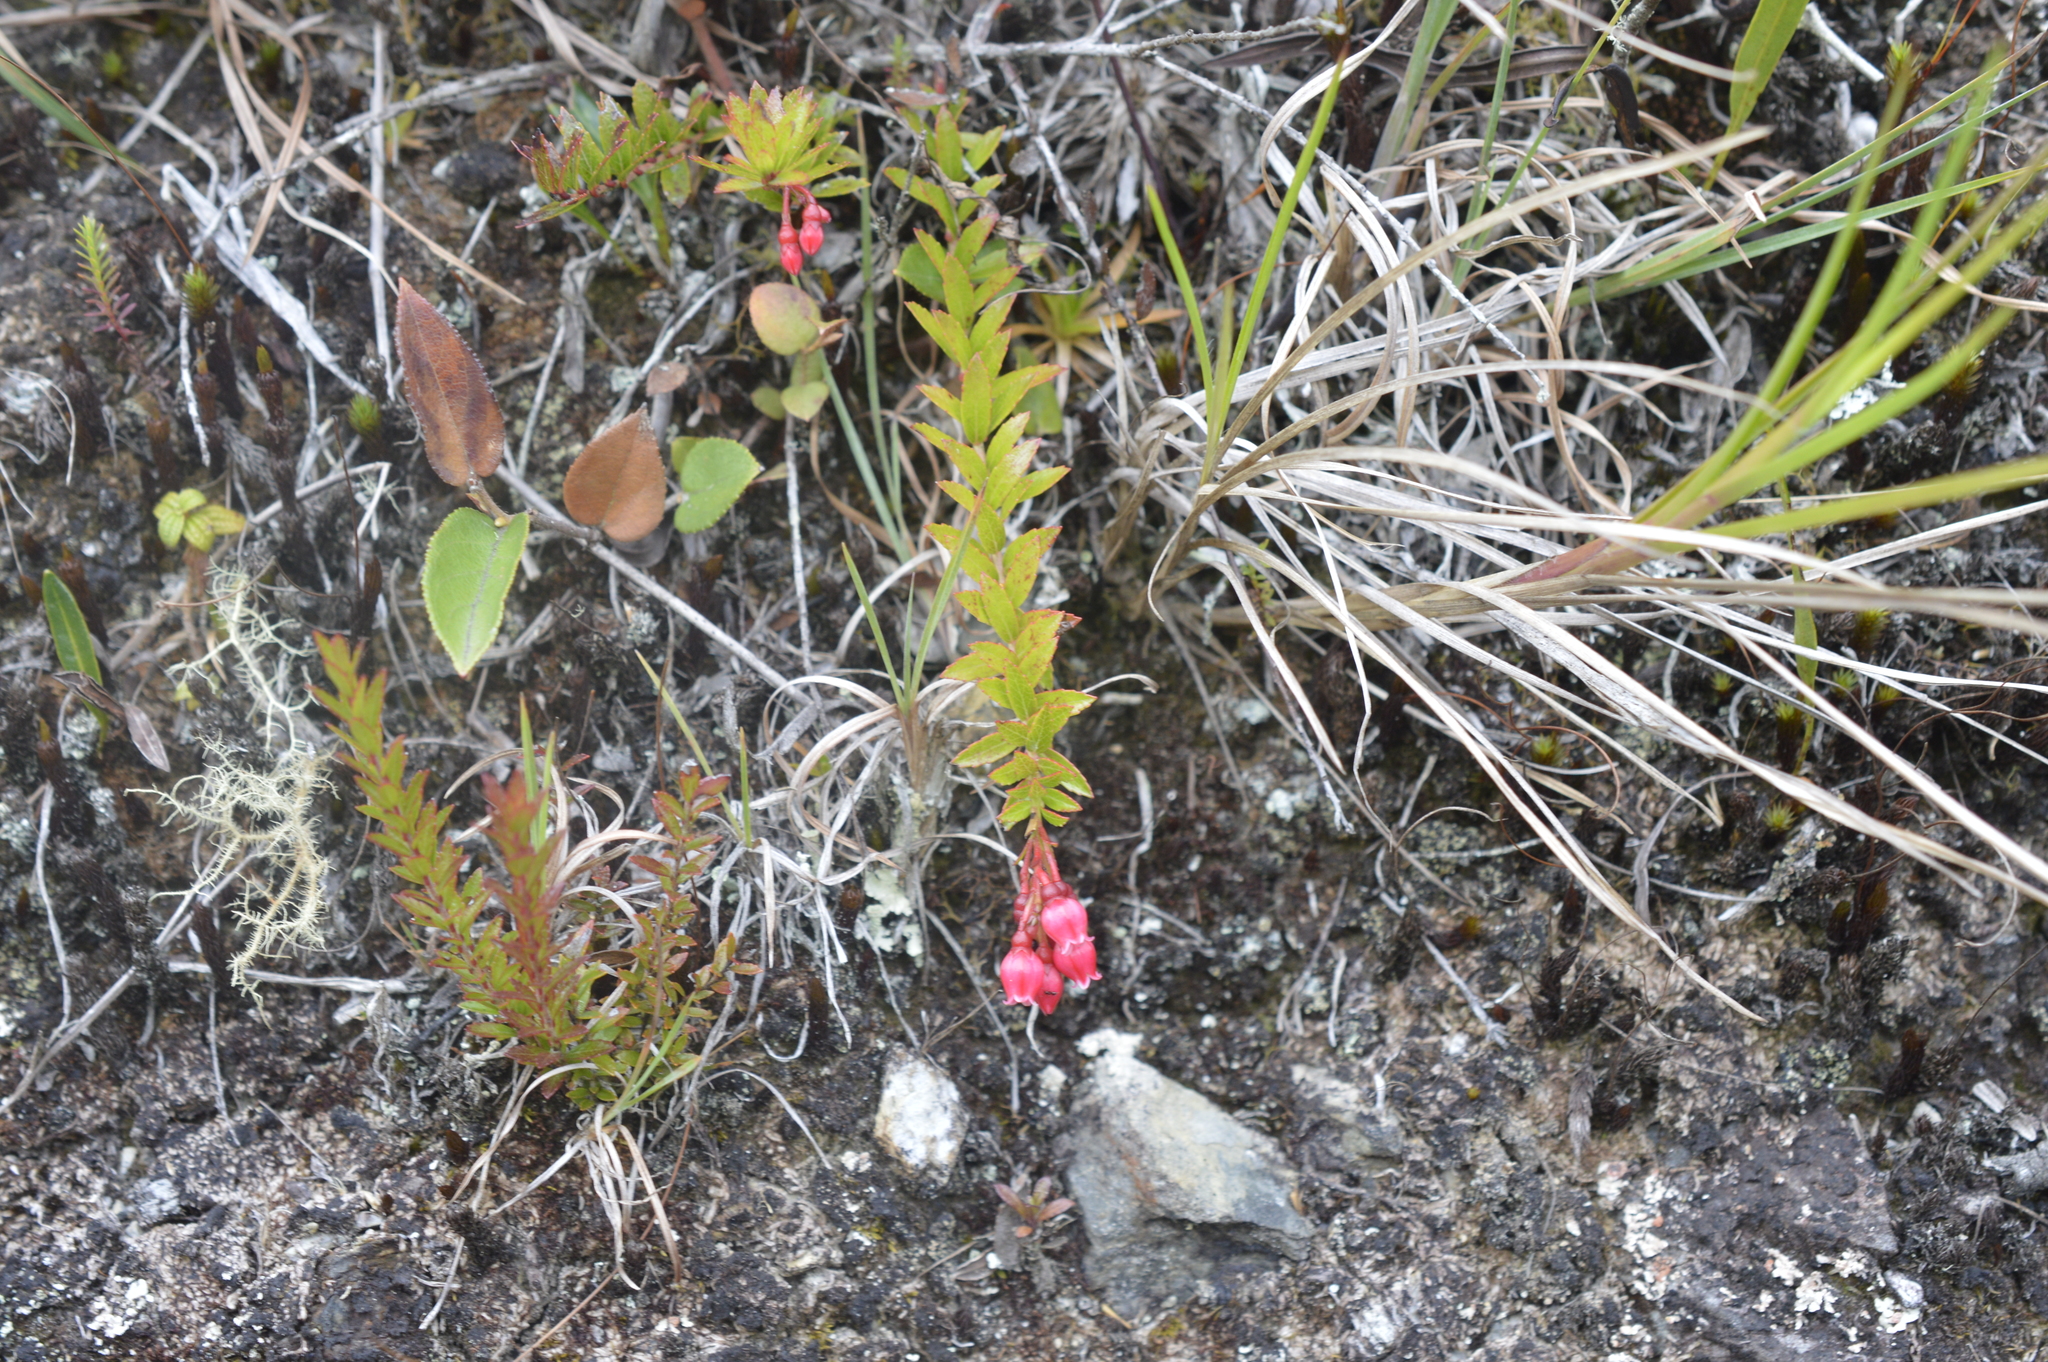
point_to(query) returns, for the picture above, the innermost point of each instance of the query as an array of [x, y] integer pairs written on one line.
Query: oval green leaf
[[713, 473], [67, 628], [468, 573], [787, 318], [805, 400]]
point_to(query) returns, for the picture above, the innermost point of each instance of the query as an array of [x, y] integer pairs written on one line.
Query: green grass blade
[[1910, 496], [1763, 44], [1436, 18], [875, 632], [1708, 484], [888, 508], [1481, 195], [1894, 296], [1682, 264], [1686, 258], [33, 89], [1190, 300], [1228, 378]]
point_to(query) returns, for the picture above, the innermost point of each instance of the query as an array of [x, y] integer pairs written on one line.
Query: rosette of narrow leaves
[[606, 149], [785, 142], [530, 988], [993, 461]]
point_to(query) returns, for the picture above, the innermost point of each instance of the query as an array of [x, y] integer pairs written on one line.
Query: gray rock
[[920, 1120], [1177, 1194]]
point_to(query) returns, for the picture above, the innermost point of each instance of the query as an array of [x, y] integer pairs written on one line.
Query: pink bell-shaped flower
[[1063, 917], [1076, 960], [1022, 972], [1050, 987]]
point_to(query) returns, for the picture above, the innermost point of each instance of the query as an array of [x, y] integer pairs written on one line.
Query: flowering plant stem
[[970, 297]]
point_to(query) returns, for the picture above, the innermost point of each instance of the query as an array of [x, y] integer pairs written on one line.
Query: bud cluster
[[1051, 946], [804, 241]]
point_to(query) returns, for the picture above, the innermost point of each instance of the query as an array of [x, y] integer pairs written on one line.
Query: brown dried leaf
[[459, 419], [617, 481], [667, 376]]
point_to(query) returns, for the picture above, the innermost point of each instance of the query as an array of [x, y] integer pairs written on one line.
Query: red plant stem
[[692, 13]]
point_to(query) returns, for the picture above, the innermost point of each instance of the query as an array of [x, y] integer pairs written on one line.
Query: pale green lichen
[[254, 803]]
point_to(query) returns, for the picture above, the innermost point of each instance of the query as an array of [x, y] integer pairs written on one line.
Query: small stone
[[921, 1119]]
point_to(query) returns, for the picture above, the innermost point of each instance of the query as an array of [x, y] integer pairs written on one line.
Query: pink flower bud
[[1076, 960], [792, 253], [1063, 917], [1023, 973], [812, 237]]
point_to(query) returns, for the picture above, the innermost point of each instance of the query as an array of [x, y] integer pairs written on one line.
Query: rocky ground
[[1333, 1098]]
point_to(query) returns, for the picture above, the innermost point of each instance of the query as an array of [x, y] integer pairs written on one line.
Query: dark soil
[[1624, 1168]]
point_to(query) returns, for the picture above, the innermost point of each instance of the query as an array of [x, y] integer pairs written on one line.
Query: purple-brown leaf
[[617, 481], [459, 419]]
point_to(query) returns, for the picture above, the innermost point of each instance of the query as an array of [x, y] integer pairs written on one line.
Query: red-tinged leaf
[[1038, 483], [1021, 561], [617, 481], [459, 419], [1057, 767]]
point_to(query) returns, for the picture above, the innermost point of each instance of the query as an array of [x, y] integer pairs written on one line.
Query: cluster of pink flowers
[[807, 240], [1051, 946]]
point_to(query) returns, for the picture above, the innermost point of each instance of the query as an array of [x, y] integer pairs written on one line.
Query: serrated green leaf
[[468, 574], [209, 523], [68, 633], [713, 473], [1007, 738], [918, 272]]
